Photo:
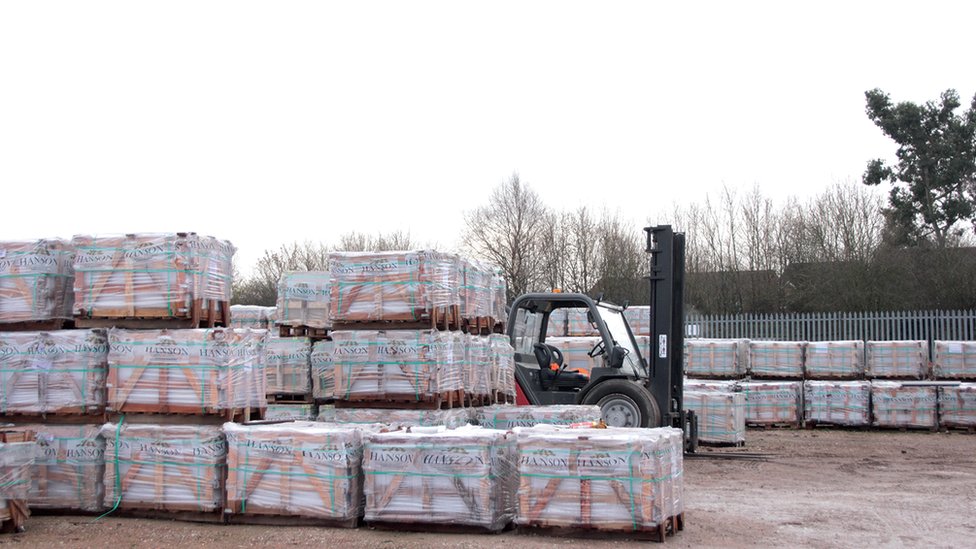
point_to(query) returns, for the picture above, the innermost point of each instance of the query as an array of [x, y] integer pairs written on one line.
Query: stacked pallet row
[[624, 481], [846, 383], [415, 329], [146, 354]]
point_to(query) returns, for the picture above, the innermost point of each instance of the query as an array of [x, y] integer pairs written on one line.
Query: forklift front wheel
[[624, 403]]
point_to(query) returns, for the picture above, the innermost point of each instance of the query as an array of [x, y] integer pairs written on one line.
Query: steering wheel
[[597, 350]]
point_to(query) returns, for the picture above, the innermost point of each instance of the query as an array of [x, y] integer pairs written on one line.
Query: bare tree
[[555, 251], [583, 262], [506, 232], [623, 262], [381, 242]]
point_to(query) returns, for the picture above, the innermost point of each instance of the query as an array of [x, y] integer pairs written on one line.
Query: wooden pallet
[[445, 401], [482, 325], [290, 398], [503, 398], [659, 533], [445, 319], [14, 517], [772, 426], [184, 515], [38, 325], [435, 528], [287, 520], [968, 429], [214, 314], [907, 429], [315, 334], [809, 424], [471, 401], [236, 415], [56, 418], [739, 444]]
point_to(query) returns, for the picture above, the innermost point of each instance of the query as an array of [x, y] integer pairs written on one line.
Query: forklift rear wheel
[[624, 404]]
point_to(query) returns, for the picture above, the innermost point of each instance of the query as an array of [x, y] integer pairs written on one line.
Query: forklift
[[630, 389]]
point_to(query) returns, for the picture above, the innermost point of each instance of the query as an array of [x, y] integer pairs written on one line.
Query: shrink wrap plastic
[[67, 472], [714, 385], [834, 359], [508, 417], [954, 359], [254, 317], [323, 373], [410, 365], [902, 359], [164, 467], [721, 416], [605, 479], [287, 366], [773, 402], [464, 476], [304, 299], [845, 403], [290, 412], [895, 404], [149, 275], [397, 419], [957, 405], [503, 371], [478, 292], [478, 365], [16, 461], [202, 371], [295, 469], [60, 371], [709, 358], [36, 280], [368, 286], [782, 359]]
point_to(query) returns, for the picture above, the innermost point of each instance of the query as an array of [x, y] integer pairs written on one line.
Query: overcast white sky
[[269, 122]]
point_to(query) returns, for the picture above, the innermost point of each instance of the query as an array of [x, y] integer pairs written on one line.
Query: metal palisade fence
[[868, 326]]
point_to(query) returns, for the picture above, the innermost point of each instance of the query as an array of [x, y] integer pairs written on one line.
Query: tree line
[[845, 249]]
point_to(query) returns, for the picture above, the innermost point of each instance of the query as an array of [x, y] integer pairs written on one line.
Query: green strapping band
[[118, 478]]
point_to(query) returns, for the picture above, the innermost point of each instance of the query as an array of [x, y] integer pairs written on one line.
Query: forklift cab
[[544, 376]]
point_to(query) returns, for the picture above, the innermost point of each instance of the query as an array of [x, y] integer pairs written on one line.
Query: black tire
[[624, 403]]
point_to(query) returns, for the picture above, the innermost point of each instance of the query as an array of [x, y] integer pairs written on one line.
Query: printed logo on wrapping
[[33, 263], [80, 450], [43, 354], [907, 397], [7, 350], [350, 349], [775, 395], [147, 251], [391, 458], [167, 351], [300, 290], [456, 459], [95, 344]]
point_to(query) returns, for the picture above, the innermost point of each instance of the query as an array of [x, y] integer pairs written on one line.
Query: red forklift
[[630, 389]]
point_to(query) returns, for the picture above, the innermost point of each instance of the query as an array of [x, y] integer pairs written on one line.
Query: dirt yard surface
[[819, 488]]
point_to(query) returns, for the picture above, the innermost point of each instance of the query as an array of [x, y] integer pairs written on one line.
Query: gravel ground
[[818, 488]]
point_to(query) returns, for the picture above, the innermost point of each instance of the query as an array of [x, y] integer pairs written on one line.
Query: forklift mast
[[666, 360]]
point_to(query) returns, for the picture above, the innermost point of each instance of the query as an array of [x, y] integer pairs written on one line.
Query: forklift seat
[[567, 380]]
